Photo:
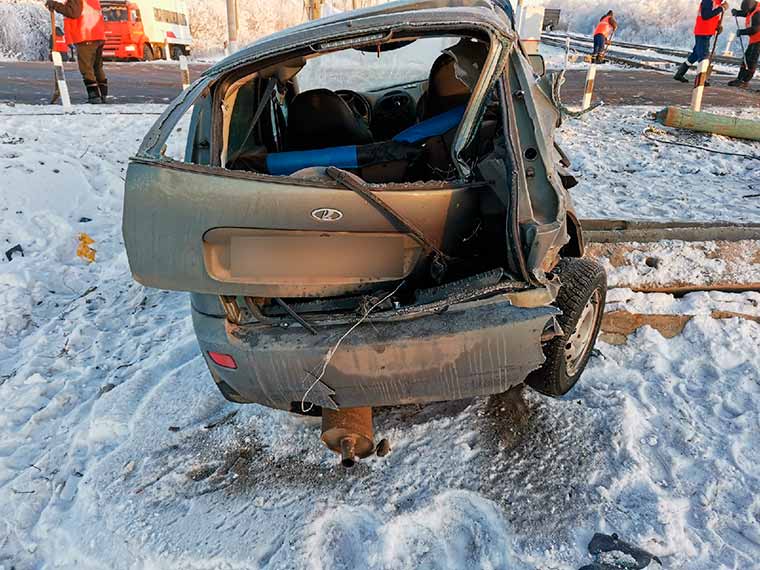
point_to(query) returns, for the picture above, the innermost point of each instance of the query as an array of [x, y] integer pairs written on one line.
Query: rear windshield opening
[[387, 112]]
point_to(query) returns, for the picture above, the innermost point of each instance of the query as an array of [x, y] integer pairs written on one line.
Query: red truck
[[146, 29]]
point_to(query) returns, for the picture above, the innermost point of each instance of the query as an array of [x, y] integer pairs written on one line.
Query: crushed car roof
[[357, 22]]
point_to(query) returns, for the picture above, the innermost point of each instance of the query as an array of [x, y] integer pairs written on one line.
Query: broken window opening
[[397, 133]]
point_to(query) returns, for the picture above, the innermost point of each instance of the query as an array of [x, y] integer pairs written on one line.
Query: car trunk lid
[[211, 230]]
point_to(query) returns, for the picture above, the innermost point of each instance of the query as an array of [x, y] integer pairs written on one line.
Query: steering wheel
[[358, 104]]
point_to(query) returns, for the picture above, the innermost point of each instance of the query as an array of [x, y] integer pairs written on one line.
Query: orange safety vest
[[707, 27], [754, 38], [604, 27], [88, 27]]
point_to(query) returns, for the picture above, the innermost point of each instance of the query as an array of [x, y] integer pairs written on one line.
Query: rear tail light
[[223, 360]]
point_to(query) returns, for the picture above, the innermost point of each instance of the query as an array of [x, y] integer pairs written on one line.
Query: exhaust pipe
[[349, 433]]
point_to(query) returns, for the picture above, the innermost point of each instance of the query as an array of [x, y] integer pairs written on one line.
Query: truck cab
[[146, 29]]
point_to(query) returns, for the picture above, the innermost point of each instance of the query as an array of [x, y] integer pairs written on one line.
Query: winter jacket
[[606, 26], [83, 20], [751, 13], [708, 18]]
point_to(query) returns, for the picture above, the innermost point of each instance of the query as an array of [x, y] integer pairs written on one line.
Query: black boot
[[93, 93], [681, 73], [103, 91], [742, 81]]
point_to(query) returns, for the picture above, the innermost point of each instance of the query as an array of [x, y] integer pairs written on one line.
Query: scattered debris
[[84, 250], [5, 138], [221, 421], [105, 389], [611, 553], [15, 249], [84, 220]]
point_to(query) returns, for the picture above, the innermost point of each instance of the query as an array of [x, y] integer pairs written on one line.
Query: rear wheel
[[147, 53], [581, 299]]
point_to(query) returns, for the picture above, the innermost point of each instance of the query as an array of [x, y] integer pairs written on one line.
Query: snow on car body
[[410, 243]]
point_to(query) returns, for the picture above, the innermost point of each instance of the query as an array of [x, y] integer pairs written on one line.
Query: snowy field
[[624, 175], [116, 451]]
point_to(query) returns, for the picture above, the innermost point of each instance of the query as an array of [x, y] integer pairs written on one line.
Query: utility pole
[[232, 26]]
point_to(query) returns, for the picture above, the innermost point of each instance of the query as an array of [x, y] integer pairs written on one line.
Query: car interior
[[395, 134]]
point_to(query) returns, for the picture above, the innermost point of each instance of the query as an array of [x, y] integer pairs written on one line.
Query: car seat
[[319, 118]]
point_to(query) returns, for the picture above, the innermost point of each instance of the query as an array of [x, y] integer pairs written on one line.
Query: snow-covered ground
[[116, 451], [624, 175]]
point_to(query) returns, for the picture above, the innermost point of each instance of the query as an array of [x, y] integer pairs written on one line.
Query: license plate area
[[307, 258]]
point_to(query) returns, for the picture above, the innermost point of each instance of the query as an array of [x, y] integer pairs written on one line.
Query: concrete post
[[60, 78], [699, 85], [733, 127], [729, 43], [589, 91], [184, 71], [232, 26]]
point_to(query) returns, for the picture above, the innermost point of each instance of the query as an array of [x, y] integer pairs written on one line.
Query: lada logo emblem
[[327, 214]]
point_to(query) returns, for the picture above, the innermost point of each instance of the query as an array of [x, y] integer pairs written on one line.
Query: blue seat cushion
[[400, 148], [432, 127]]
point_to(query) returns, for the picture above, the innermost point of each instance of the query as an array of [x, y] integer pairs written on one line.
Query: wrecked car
[[370, 211]]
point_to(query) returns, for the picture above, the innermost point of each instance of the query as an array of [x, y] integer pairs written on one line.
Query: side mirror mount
[[538, 64]]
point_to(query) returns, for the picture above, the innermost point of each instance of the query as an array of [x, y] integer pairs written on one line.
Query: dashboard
[[388, 111]]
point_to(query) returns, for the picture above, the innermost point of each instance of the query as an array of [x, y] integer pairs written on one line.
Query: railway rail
[[727, 59], [646, 59]]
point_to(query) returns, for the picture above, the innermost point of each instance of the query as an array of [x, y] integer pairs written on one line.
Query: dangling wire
[[649, 131], [334, 349]]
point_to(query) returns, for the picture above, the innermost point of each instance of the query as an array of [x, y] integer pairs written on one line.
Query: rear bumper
[[472, 349]]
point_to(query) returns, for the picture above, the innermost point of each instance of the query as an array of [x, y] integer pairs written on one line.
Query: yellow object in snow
[[84, 250]]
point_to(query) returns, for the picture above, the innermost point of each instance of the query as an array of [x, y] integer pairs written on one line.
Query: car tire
[[581, 299], [147, 53]]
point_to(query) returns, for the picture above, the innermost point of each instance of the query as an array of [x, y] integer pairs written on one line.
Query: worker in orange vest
[[751, 11], [707, 25], [602, 35], [84, 26]]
